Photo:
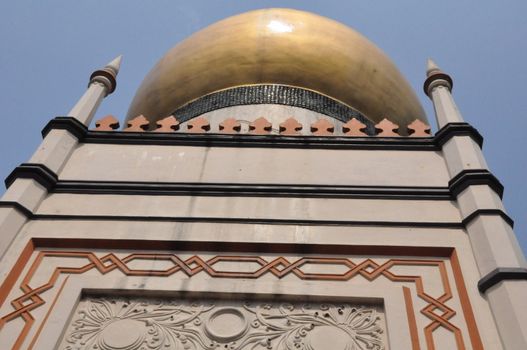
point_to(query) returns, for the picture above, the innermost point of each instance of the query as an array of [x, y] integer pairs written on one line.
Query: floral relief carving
[[130, 324]]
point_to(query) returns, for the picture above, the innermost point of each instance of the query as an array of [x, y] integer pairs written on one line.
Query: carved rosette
[[141, 324]]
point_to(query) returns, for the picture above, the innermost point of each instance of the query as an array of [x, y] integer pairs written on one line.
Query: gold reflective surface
[[279, 46]]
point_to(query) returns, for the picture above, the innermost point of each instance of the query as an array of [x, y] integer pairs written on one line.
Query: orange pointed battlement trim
[[290, 126]]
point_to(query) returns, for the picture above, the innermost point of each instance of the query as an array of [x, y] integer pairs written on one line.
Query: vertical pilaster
[[24, 194], [500, 261]]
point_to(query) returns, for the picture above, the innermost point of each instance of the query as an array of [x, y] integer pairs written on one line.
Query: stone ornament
[[111, 323], [230, 126], [418, 129], [386, 128], [138, 124], [107, 123], [354, 128], [260, 126], [290, 127], [322, 128], [198, 125], [168, 124]]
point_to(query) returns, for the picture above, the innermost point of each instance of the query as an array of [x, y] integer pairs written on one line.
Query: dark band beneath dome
[[271, 94]]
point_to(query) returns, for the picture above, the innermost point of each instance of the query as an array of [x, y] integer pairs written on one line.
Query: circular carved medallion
[[326, 337], [226, 324], [122, 334]]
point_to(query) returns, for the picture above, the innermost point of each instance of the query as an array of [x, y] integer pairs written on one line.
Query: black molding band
[[469, 177], [437, 76], [104, 73], [245, 220], [15, 205], [261, 141], [251, 190], [239, 246], [72, 125], [38, 172], [458, 129], [501, 274], [479, 212]]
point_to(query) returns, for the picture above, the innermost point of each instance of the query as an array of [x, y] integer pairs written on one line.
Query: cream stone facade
[[258, 226]]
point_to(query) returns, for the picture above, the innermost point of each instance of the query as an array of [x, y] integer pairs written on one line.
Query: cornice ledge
[[469, 177], [458, 129], [479, 212], [38, 172], [70, 124], [19, 207], [501, 274]]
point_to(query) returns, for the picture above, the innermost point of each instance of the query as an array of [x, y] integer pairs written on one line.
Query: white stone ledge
[[323, 209]]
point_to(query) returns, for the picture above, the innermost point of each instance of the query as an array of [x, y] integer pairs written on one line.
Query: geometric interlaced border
[[435, 310]]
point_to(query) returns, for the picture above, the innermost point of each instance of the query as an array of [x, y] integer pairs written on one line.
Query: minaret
[[26, 193], [102, 83], [499, 258]]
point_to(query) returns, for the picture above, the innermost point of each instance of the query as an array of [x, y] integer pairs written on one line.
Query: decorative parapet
[[418, 129], [386, 128], [354, 128], [262, 126], [108, 123], [230, 126], [290, 127], [322, 128], [139, 123], [198, 125], [167, 124]]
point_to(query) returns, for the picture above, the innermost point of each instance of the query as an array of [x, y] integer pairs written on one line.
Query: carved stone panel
[[110, 323]]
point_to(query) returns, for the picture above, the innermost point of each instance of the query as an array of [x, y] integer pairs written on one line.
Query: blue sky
[[49, 48]]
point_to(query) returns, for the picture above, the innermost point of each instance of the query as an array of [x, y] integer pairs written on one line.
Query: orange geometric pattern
[[354, 128], [168, 124], [139, 123], [418, 129], [230, 126], [386, 128], [198, 125], [261, 126], [107, 123], [436, 310], [322, 128], [290, 127]]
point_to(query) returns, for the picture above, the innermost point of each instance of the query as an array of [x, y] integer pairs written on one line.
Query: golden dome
[[279, 46]]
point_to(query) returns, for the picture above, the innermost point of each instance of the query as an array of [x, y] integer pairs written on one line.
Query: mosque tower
[[275, 185]]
